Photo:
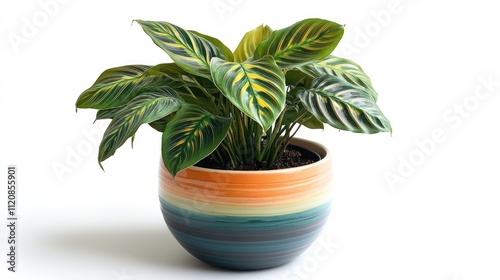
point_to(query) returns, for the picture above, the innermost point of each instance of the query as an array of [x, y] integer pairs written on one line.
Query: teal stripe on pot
[[245, 243]]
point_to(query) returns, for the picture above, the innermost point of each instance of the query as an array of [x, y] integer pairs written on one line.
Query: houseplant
[[233, 110]]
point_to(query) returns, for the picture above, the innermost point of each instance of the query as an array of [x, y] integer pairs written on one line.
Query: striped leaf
[[250, 42], [171, 70], [107, 113], [295, 111], [188, 50], [343, 68], [296, 78], [160, 124], [228, 54], [304, 41], [115, 87], [145, 108], [190, 136], [257, 87], [344, 106]]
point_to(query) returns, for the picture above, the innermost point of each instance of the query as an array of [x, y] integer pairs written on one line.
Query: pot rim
[[316, 147]]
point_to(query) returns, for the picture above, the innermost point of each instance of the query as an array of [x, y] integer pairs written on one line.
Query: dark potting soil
[[293, 156]]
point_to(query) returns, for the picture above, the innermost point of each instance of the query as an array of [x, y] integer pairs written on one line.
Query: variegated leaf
[[340, 67], [302, 42], [160, 124], [250, 42], [145, 108], [171, 70], [190, 136], [115, 87], [228, 54], [344, 106], [294, 115], [107, 113], [295, 111], [190, 51], [296, 78], [256, 87]]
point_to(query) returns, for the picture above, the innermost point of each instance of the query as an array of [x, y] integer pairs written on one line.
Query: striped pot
[[247, 220]]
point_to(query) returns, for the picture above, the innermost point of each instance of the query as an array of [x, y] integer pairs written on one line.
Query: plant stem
[[271, 141], [242, 146]]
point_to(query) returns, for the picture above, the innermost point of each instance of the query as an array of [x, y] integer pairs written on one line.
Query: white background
[[436, 218]]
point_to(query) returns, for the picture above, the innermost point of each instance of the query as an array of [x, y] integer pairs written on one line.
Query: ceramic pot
[[248, 220]]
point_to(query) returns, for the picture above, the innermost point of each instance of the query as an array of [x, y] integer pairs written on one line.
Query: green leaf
[[250, 41], [199, 99], [302, 42], [190, 136], [115, 87], [344, 106], [160, 124], [107, 113], [296, 78], [295, 112], [257, 87], [171, 70], [311, 122], [343, 68], [145, 108], [228, 54], [188, 50]]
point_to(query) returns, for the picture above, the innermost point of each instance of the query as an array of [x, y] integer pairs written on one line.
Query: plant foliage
[[236, 106]]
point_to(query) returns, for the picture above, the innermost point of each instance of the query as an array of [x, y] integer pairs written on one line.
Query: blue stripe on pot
[[245, 243]]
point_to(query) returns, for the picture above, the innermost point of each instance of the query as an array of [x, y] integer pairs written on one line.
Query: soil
[[292, 157]]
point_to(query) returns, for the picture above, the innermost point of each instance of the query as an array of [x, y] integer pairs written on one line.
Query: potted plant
[[222, 112]]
